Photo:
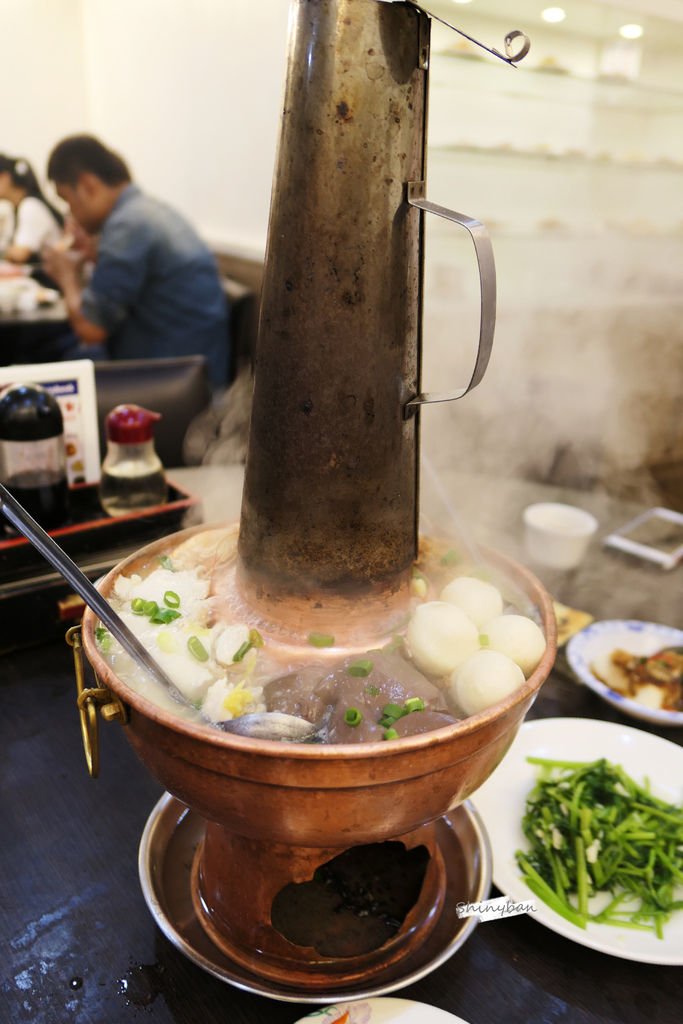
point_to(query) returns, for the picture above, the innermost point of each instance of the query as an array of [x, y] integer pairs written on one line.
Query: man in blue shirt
[[155, 289]]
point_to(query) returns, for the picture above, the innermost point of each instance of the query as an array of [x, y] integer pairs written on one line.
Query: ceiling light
[[553, 14], [631, 31]]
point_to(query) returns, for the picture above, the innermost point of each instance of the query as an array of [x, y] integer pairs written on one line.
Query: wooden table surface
[[80, 945]]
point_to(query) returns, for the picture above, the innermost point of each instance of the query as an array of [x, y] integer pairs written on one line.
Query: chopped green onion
[[414, 704], [484, 640], [353, 717], [390, 734], [150, 608], [137, 606], [171, 599], [167, 641], [104, 639], [360, 668], [197, 649], [372, 691], [242, 650], [255, 638], [451, 557], [163, 616], [166, 563], [391, 714], [320, 640]]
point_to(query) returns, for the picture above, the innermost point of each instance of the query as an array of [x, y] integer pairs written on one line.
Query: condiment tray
[[36, 603]]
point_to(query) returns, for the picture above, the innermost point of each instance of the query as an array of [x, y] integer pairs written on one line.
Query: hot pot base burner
[[355, 902], [167, 848]]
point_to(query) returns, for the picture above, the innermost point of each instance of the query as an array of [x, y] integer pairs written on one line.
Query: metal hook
[[510, 56], [88, 700], [524, 48]]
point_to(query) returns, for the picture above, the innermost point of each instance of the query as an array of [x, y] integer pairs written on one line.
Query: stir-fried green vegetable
[[592, 829]]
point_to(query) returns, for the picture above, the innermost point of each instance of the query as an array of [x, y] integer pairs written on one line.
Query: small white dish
[[381, 1011], [557, 535], [501, 802], [630, 635]]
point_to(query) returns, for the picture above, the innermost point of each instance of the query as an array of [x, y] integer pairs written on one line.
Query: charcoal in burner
[[354, 903]]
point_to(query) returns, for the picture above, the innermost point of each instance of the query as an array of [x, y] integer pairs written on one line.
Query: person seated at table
[[36, 221], [6, 224], [154, 290]]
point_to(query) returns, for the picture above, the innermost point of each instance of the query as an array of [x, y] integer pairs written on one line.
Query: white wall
[[42, 79], [580, 181], [190, 93]]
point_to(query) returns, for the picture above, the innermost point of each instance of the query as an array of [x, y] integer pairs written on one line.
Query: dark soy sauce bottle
[[32, 454]]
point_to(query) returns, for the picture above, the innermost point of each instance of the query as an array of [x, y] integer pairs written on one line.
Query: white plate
[[502, 799], [381, 1011], [630, 635]]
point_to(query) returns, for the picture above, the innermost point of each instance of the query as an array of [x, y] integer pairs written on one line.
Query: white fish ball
[[517, 636], [440, 637], [484, 679], [479, 600]]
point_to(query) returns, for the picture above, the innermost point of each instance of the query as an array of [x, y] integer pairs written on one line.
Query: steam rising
[[219, 436]]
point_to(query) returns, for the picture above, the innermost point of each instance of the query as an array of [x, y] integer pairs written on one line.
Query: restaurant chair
[[242, 324], [177, 387]]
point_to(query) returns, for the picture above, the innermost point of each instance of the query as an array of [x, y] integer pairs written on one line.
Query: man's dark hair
[[84, 154]]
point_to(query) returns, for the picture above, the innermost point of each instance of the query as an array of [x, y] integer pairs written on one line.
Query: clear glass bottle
[[32, 453], [132, 476]]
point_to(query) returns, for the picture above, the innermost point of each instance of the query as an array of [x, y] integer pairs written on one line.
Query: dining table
[[24, 331], [80, 943]]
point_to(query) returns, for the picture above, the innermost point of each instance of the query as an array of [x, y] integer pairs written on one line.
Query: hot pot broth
[[462, 642]]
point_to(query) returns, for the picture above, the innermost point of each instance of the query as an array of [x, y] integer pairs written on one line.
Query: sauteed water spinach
[[594, 831]]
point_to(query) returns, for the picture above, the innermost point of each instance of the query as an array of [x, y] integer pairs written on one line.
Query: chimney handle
[[487, 279]]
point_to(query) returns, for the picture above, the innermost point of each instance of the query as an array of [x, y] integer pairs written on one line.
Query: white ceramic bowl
[[557, 535], [642, 638]]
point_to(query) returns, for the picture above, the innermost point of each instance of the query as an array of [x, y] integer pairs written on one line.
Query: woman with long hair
[[36, 221]]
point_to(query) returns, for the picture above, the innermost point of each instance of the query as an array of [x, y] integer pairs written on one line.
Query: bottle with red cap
[[132, 475]]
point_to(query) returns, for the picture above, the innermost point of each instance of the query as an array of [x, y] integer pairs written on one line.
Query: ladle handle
[[487, 280], [20, 519]]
